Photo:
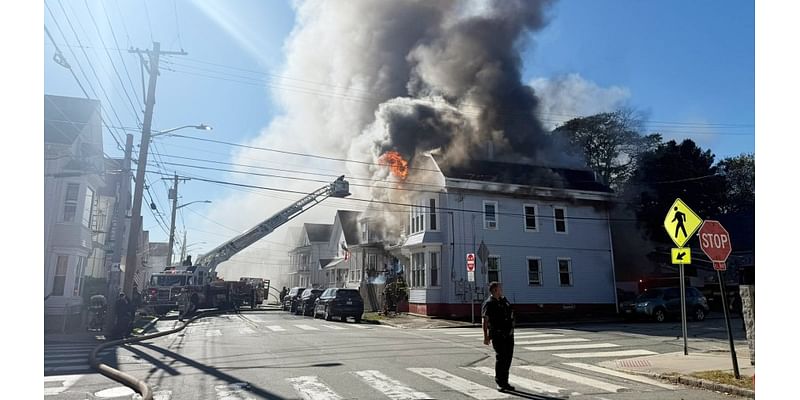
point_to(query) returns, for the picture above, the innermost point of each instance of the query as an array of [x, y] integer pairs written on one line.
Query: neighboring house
[[545, 232], [312, 246], [74, 167], [156, 261]]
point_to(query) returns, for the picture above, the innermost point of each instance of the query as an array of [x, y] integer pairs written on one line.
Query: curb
[[697, 382]]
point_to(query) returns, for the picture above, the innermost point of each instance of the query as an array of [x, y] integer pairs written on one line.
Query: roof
[[349, 222], [66, 117], [524, 174], [318, 232]]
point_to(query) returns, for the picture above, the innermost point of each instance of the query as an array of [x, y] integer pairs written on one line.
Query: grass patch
[[726, 378], [372, 317]]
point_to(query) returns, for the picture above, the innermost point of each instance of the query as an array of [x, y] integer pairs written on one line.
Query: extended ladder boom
[[210, 261]]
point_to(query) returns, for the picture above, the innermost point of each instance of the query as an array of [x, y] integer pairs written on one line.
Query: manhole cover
[[633, 363]]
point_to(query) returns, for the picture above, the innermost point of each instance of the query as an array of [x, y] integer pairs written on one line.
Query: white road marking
[[118, 391], [524, 383], [609, 387], [234, 391], [307, 327], [618, 374], [312, 389], [572, 346], [620, 353], [471, 335], [333, 326], [162, 395], [360, 326], [387, 326], [275, 328], [246, 331], [66, 382], [545, 341], [213, 332], [537, 335], [459, 384], [393, 389]]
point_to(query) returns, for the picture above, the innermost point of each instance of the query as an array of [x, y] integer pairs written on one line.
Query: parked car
[[290, 301], [341, 303], [305, 304], [662, 303]]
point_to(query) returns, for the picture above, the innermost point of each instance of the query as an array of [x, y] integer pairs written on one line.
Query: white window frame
[[56, 275], [435, 255], [569, 268], [432, 215], [80, 268], [555, 220], [70, 202], [528, 271], [418, 272], [525, 217], [364, 232], [499, 268], [88, 207], [496, 216]]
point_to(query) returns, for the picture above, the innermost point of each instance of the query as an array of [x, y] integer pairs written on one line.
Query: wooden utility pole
[[131, 260]]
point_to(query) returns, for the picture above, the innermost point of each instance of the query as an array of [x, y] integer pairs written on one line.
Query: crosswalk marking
[[307, 327], [393, 389], [311, 388], [524, 383], [213, 332], [333, 326], [546, 341], [619, 353], [246, 331], [234, 391], [573, 346], [275, 328], [609, 387], [360, 326], [387, 326], [618, 374], [66, 382], [537, 335], [459, 384]]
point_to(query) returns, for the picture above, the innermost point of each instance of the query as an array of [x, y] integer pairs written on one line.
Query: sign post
[[471, 278], [681, 223], [715, 241]]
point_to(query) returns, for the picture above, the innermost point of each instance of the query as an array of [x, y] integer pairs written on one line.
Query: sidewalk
[[677, 368], [413, 321]]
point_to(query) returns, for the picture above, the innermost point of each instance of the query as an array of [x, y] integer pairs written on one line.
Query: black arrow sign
[[680, 255]]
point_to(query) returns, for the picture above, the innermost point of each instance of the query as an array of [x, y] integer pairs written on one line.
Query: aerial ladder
[[206, 291]]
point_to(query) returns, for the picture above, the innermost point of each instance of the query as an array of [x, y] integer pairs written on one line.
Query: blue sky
[[689, 66]]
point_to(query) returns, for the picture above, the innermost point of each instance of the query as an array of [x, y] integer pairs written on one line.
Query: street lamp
[[202, 127], [175, 208]]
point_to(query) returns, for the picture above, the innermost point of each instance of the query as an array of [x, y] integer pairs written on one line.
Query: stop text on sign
[[716, 240]]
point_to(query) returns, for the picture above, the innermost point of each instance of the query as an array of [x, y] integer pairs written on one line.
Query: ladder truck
[[205, 290]]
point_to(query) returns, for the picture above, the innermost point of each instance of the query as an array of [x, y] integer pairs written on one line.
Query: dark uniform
[[501, 332]]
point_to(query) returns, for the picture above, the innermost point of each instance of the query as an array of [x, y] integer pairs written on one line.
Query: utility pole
[[183, 248], [120, 211], [173, 195], [131, 260]]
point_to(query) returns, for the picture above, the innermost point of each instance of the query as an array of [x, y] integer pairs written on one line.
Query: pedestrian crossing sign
[[681, 255], [681, 223]]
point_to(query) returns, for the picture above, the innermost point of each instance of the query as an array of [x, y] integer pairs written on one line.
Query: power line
[[119, 51], [177, 25], [149, 25]]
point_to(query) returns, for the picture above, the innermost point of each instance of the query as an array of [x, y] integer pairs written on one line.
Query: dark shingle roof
[[349, 221], [318, 232], [524, 174], [66, 117]]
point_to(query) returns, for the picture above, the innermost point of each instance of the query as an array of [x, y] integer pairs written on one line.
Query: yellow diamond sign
[[681, 223]]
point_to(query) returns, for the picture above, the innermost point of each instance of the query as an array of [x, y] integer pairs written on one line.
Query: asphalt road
[[274, 355]]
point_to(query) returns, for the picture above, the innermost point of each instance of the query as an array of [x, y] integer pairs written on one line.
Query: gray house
[[543, 233], [312, 246]]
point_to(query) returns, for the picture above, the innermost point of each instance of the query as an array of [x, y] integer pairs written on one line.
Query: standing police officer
[[498, 328]]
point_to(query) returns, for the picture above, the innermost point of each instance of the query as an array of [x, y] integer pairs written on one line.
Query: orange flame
[[396, 163]]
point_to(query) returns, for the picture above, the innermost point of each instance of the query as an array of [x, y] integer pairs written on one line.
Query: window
[[364, 232], [417, 222], [418, 270], [61, 276], [433, 214], [494, 269], [434, 269], [565, 271], [88, 202], [489, 215], [79, 269], [71, 202], [534, 272], [560, 217], [531, 217]]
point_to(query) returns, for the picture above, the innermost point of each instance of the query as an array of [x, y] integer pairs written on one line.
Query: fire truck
[[199, 287]]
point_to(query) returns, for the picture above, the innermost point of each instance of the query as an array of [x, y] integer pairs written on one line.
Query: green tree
[[740, 183], [673, 171], [610, 143]]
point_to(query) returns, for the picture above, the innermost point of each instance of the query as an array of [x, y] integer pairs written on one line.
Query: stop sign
[[715, 241]]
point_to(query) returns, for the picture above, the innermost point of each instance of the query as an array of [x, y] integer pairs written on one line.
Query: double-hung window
[[490, 215], [418, 270], [534, 271], [560, 218], [61, 276], [71, 202], [434, 268], [80, 267], [88, 202], [565, 272], [531, 216], [493, 267], [432, 210]]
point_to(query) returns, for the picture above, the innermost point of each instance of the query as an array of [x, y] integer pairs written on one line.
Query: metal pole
[[131, 260], [728, 324], [472, 302], [174, 196], [683, 312]]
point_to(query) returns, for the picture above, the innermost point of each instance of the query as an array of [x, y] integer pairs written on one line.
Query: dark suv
[[290, 301], [660, 303], [305, 305], [338, 302]]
